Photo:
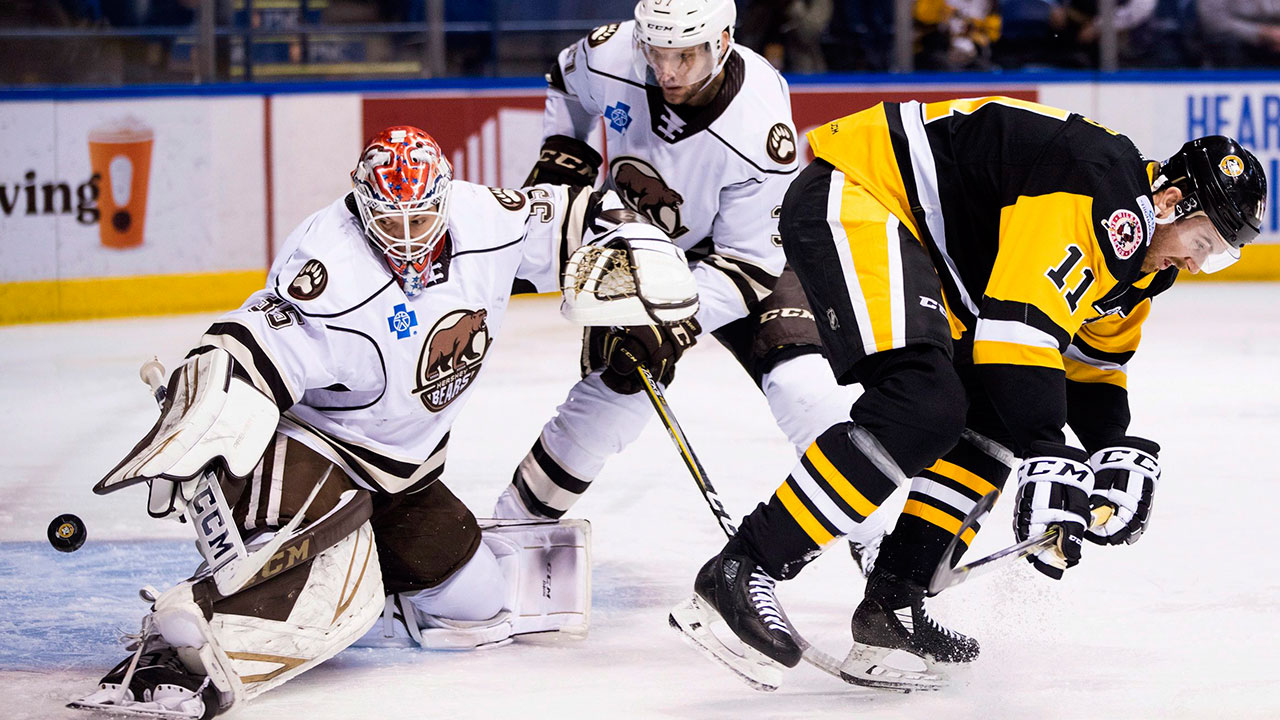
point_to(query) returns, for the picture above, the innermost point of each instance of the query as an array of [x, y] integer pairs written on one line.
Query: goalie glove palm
[[657, 347], [1053, 489], [1126, 474]]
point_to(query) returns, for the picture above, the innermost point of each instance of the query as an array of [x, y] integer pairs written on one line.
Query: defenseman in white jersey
[[305, 435], [700, 141]]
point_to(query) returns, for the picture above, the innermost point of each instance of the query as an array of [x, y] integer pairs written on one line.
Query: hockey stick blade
[[812, 655], [946, 577]]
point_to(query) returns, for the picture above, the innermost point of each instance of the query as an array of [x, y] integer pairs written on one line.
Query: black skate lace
[[928, 620], [760, 589]]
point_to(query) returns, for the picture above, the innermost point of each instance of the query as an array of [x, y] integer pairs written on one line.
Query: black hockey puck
[[67, 533]]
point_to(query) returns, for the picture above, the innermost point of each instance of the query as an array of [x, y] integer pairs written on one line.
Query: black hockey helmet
[[1225, 181]]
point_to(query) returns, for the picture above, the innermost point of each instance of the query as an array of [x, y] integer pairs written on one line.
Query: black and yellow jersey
[[1037, 220]]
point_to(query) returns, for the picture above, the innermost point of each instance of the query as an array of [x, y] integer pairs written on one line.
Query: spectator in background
[[788, 33], [55, 61], [1078, 21], [1065, 33], [1169, 38], [955, 34], [860, 36], [1241, 32]]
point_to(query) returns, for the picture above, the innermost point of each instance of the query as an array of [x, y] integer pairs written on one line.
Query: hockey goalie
[[304, 436]]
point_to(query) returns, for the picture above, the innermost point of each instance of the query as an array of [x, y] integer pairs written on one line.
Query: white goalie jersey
[[716, 172], [371, 378]]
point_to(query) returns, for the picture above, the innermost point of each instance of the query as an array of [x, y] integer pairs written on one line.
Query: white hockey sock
[[805, 399], [594, 423]]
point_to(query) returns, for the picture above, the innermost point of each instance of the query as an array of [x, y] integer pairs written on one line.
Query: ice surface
[[1181, 625]]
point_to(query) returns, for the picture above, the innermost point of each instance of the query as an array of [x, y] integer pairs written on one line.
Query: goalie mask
[[1222, 180], [402, 192], [680, 44]]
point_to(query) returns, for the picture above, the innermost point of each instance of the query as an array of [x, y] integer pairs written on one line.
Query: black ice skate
[[153, 682], [734, 618], [892, 618]]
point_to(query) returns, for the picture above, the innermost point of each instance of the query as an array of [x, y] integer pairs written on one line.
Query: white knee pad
[[805, 399]]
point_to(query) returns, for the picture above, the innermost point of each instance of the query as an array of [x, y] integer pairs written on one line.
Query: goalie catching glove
[[627, 273], [656, 347], [1126, 474], [1053, 489]]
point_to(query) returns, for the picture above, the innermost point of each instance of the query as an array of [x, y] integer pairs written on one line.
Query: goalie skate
[[152, 683], [135, 710], [704, 629]]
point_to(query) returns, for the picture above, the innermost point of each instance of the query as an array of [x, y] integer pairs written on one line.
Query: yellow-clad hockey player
[[983, 267]]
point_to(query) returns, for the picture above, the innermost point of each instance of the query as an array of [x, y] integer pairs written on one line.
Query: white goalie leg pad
[[209, 413], [547, 567], [245, 656], [632, 274]]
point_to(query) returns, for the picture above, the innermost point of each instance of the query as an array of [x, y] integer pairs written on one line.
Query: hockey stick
[[809, 653], [946, 576]]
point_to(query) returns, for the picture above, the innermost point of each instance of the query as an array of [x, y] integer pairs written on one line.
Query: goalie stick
[[810, 654], [946, 576]]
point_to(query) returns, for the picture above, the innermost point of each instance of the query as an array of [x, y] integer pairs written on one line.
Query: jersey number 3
[[1058, 276]]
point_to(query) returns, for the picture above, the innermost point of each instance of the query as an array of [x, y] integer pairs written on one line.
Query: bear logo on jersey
[[601, 35], [643, 190], [781, 144], [311, 280], [451, 357], [1124, 229]]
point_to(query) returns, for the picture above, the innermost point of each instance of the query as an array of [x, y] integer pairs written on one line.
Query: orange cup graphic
[[120, 154]]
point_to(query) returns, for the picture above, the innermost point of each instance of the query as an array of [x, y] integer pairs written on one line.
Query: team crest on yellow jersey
[[1124, 230]]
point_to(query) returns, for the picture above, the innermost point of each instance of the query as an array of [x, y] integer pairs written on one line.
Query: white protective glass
[[1220, 256], [679, 67]]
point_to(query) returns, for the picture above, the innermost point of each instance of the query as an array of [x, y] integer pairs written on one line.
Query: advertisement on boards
[[140, 187]]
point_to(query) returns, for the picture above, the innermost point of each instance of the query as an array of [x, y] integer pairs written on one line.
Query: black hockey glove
[[565, 161], [657, 346], [1053, 489], [1126, 474]]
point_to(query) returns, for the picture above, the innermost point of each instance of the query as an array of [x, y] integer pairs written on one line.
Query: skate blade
[[693, 620], [134, 710], [870, 666]]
